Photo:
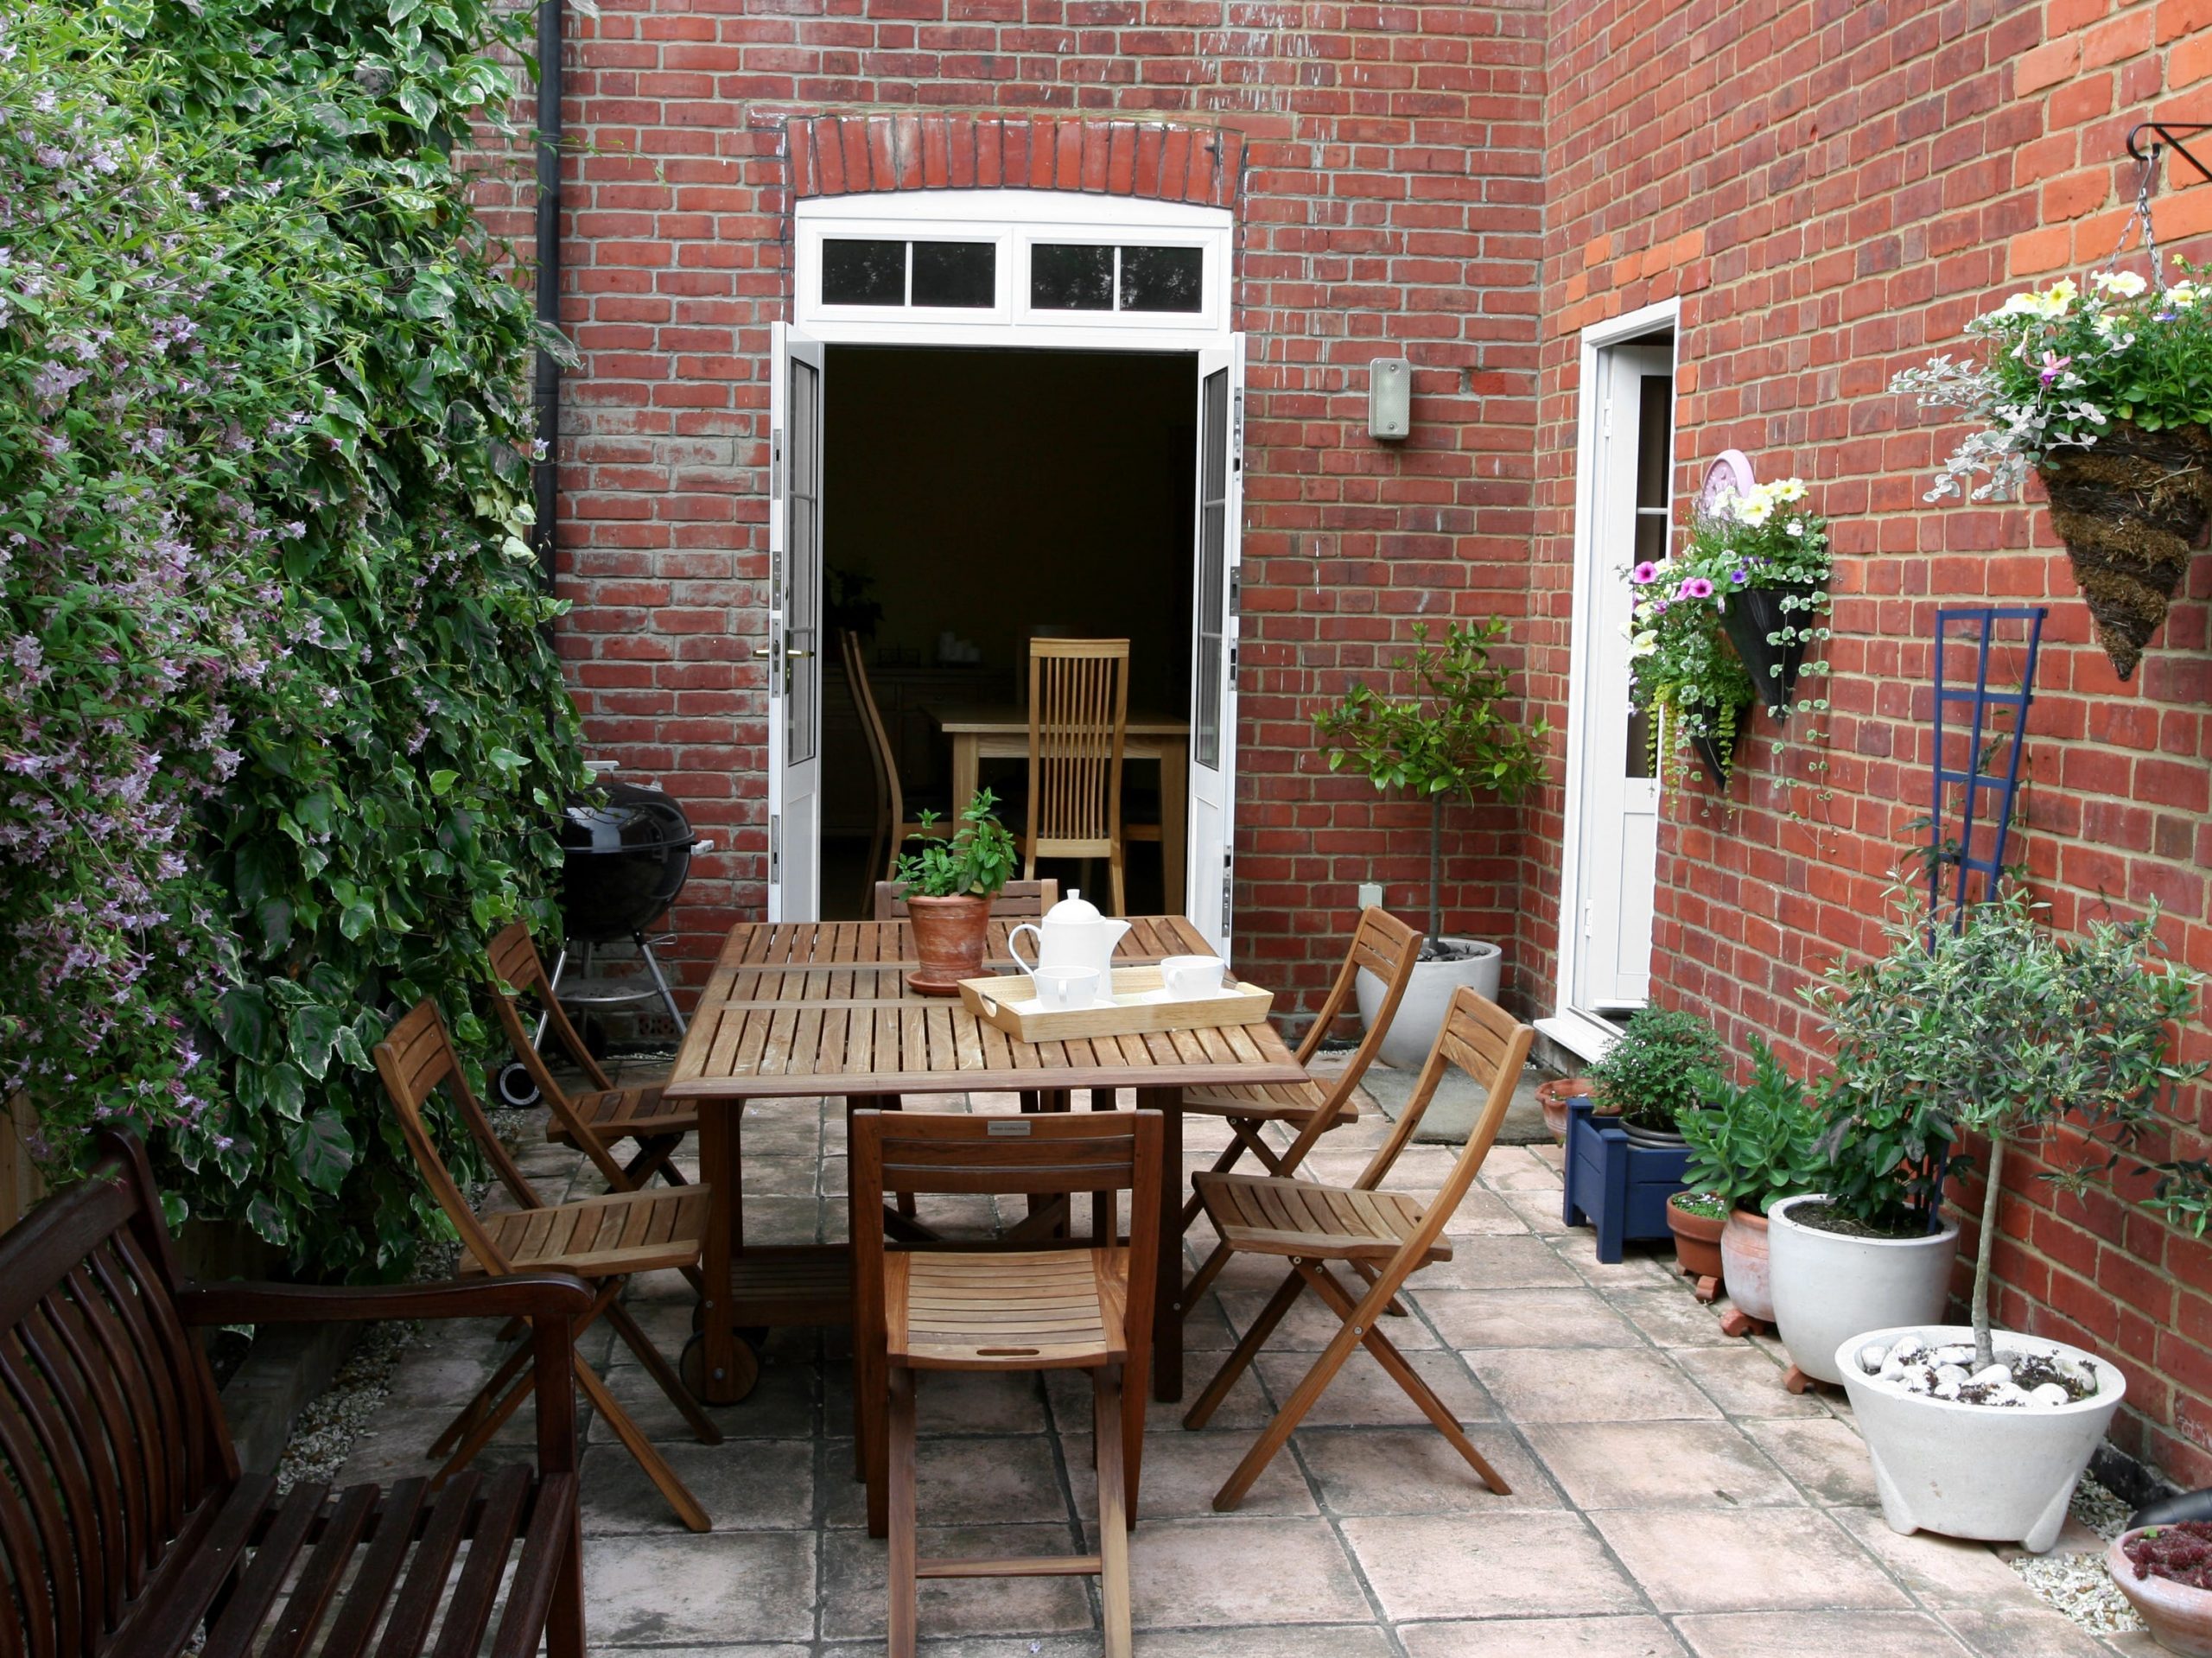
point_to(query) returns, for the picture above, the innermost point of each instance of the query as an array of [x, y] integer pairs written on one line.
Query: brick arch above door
[[1157, 161]]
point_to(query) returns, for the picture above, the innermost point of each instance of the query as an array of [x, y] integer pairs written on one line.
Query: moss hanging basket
[[2129, 510]]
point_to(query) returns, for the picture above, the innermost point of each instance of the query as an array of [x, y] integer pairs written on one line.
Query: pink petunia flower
[[1697, 587], [1645, 574]]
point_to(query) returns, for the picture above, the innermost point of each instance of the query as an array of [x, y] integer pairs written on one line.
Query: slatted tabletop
[[809, 1008]]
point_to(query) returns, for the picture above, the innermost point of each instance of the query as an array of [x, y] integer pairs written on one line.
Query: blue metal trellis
[[1977, 778]]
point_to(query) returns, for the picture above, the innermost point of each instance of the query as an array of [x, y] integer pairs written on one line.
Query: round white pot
[[1997, 1475], [1421, 1014], [1828, 1287]]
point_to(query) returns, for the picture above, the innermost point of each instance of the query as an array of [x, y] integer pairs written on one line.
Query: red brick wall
[[1382, 165], [1831, 189]]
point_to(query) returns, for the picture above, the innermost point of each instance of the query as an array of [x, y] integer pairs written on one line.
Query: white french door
[[1631, 521], [793, 650], [1209, 897]]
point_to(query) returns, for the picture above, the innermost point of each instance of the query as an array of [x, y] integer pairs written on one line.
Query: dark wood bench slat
[[416, 1605], [319, 1579], [19, 1444], [497, 1524], [63, 1501], [545, 1549], [19, 1539], [138, 1356], [394, 1527], [140, 1465], [192, 1573], [94, 1424], [257, 1585]]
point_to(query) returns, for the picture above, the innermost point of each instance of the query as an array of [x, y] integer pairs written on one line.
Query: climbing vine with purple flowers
[[280, 731]]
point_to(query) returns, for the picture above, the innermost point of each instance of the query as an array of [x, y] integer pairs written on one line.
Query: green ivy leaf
[[314, 1031], [322, 1151]]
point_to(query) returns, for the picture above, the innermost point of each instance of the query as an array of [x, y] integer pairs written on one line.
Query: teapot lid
[[1074, 908]]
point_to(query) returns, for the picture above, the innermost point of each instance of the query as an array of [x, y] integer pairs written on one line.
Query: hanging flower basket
[[1770, 628], [2130, 508], [1716, 749]]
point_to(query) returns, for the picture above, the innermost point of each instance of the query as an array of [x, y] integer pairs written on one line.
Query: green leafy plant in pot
[[948, 884], [1757, 1145], [1452, 736], [1993, 1023], [1657, 1074]]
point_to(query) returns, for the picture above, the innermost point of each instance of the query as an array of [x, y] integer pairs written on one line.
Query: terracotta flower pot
[[2180, 1617], [1553, 1095], [1743, 1255], [2129, 508], [949, 934], [1697, 1241]]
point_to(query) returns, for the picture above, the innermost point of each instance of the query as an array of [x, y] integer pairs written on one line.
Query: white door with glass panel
[[1208, 896], [1619, 839], [793, 650]]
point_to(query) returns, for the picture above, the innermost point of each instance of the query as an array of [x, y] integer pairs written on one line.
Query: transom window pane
[[1071, 276], [1162, 279], [957, 275], [857, 272]]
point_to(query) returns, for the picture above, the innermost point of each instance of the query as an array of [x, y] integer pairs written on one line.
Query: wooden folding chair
[[1018, 900], [1016, 1306], [1386, 1237], [601, 1240], [595, 1122], [1079, 719], [1383, 945]]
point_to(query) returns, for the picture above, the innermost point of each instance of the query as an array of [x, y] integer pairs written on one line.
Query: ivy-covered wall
[[282, 737]]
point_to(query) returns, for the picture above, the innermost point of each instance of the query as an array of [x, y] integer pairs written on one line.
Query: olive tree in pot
[[1450, 738], [1755, 1147], [2012, 1028], [948, 885]]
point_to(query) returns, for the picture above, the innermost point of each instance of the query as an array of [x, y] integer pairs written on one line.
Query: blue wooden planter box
[[1615, 1185]]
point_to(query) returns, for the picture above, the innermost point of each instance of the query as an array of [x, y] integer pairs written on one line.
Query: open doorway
[[973, 498]]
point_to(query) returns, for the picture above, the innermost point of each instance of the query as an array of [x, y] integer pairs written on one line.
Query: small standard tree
[[1450, 738]]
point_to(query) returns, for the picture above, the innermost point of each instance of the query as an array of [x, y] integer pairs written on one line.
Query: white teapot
[[1072, 934]]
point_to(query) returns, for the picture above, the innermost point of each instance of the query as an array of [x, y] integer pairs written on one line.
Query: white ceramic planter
[[1420, 1014], [1828, 1287], [1998, 1475]]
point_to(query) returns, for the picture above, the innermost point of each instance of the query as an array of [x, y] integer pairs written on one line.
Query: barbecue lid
[[632, 820]]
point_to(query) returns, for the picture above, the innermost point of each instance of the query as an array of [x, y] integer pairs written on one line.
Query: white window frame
[[1572, 1028], [1014, 221]]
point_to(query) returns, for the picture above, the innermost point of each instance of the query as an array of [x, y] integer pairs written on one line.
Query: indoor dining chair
[[892, 827], [1386, 1237], [1380, 944], [1078, 721], [601, 1240], [1020, 1305], [598, 1119]]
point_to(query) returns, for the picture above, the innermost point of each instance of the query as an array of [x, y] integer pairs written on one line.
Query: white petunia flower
[[1643, 645], [2125, 284], [1795, 527]]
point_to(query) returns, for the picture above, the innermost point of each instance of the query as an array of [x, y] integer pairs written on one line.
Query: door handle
[[769, 650]]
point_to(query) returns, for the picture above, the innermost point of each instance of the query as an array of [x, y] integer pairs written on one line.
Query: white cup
[[1191, 976], [1060, 988]]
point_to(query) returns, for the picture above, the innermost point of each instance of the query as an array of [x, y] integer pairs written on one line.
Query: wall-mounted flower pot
[[1706, 747], [1613, 1183], [1751, 618], [2129, 508]]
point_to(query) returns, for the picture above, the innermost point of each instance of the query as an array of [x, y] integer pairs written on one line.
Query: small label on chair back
[[1007, 1126]]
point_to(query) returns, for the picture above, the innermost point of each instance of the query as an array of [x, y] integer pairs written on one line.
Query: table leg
[[721, 1166], [1174, 819], [1167, 1289], [966, 767]]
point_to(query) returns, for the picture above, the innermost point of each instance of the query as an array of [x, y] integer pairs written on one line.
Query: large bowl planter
[[1828, 1287], [1997, 1475], [2180, 1617], [1615, 1185], [1427, 998], [2129, 508], [1697, 1246], [1750, 619], [1743, 1265]]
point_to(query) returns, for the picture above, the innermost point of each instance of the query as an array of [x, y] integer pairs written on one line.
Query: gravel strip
[[323, 1437], [2078, 1584]]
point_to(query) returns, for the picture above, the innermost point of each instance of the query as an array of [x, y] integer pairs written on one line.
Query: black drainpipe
[[545, 476]]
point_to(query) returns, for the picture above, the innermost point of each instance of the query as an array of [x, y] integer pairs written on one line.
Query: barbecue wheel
[[744, 1368], [516, 1092]]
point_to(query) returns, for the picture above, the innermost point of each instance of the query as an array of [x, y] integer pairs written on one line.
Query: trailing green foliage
[[282, 737], [1660, 1070], [1759, 1143], [975, 860]]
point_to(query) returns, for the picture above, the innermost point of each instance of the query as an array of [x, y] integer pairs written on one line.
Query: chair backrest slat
[[1079, 719], [1387, 947], [1018, 900], [516, 962]]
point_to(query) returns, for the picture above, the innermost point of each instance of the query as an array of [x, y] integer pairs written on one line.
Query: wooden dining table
[[1000, 732], [798, 1010]]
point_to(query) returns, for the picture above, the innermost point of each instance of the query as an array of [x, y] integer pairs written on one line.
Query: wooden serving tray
[[1138, 1006]]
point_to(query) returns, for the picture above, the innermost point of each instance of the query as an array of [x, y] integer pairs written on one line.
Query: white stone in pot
[[1427, 998], [1828, 1287]]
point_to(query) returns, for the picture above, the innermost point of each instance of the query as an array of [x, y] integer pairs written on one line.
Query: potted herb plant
[[948, 885], [1450, 738], [1697, 1220], [1624, 1153], [2166, 1572], [2100, 393], [1756, 1145], [2013, 1027]]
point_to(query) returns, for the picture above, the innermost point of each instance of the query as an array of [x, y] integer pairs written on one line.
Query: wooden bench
[[126, 1524]]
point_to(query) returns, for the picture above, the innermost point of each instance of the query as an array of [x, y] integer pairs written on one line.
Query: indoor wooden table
[[796, 1010], [1002, 733]]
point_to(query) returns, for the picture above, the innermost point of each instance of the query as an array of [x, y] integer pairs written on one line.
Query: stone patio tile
[[1944, 1573], [768, 1487], [1480, 1214], [1669, 1316], [956, 1401], [1660, 1464], [1859, 1634], [780, 1405], [1309, 1325], [1539, 1209], [1825, 1456], [1540, 1566], [1630, 1636], [1747, 1382], [1587, 1384], [1641, 1266], [794, 1174], [1229, 1571], [855, 1598], [1322, 1640], [748, 1650], [1362, 1395], [687, 1591], [1557, 1318], [968, 1482], [782, 1219], [1180, 1474], [1515, 1262], [1415, 1471], [1519, 1168], [1246, 1407], [1768, 1560], [2038, 1631]]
